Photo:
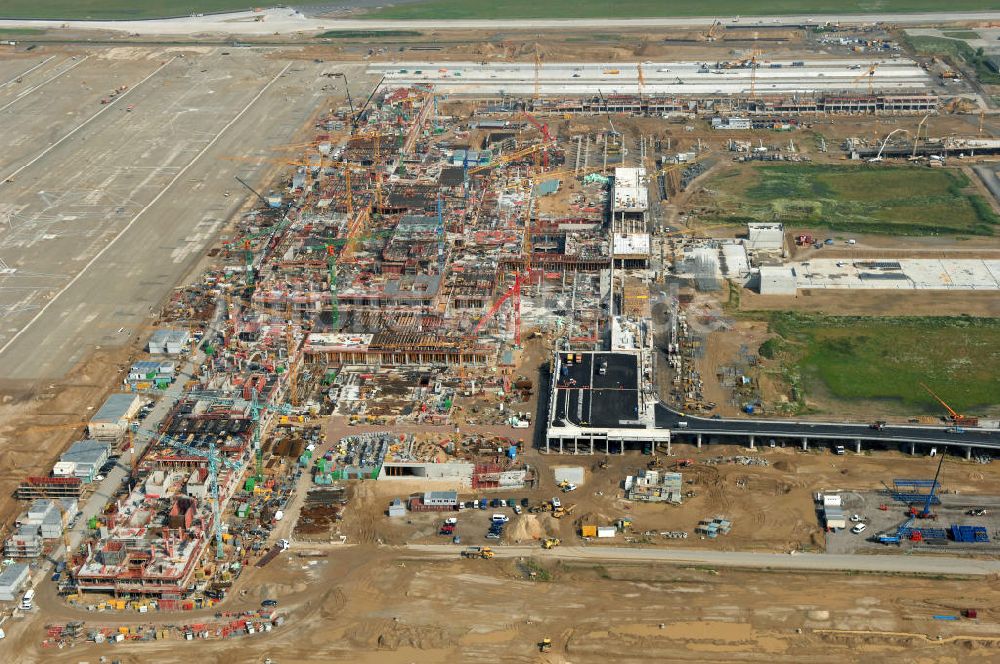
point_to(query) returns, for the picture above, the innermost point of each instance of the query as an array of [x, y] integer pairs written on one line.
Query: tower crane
[[641, 78], [754, 56], [546, 136], [870, 73], [538, 73], [214, 461], [515, 292]]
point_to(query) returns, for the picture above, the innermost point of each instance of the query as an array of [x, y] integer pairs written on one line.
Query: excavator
[[551, 542]]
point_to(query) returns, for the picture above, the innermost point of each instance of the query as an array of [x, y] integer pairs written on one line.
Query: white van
[[682, 425], [500, 518], [28, 600]]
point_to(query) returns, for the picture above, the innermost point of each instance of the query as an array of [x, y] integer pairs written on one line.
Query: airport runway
[[104, 209], [288, 21], [674, 78]]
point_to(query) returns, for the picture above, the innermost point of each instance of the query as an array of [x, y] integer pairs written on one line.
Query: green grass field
[[115, 9], [955, 50], [886, 359], [20, 32], [961, 34], [366, 34], [445, 9], [894, 200]]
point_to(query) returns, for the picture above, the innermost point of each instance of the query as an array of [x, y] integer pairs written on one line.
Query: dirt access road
[[889, 564], [377, 604]]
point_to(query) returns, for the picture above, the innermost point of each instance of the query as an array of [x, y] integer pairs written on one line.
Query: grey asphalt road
[[288, 21], [887, 564]]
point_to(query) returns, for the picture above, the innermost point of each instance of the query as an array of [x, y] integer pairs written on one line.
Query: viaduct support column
[[699, 441], [913, 449], [751, 442], [857, 446], [968, 453], [805, 443]]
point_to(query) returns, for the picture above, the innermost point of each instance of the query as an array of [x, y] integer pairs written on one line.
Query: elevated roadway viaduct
[[700, 430]]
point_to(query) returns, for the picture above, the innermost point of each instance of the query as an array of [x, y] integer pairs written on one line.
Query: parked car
[[269, 603], [492, 535], [556, 503], [860, 528], [569, 487], [855, 518], [500, 518], [517, 509]]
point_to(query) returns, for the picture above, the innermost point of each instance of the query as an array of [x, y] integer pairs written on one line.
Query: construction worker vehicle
[[550, 542], [484, 552], [545, 645], [560, 512]]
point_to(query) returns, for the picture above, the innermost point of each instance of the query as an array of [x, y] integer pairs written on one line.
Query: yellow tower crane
[[870, 73]]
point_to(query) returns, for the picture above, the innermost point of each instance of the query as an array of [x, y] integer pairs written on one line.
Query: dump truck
[[483, 552]]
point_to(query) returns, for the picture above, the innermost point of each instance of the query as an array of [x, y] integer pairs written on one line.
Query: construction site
[[376, 322]]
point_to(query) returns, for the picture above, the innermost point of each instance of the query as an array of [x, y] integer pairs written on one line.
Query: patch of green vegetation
[[956, 51], [115, 9], [535, 571], [367, 34], [446, 9], [961, 34], [886, 359], [892, 200], [20, 32], [770, 348]]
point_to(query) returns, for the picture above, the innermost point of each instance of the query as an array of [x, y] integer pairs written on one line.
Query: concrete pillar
[[751, 442], [669, 452], [968, 453], [805, 443], [913, 449], [592, 445], [857, 446], [699, 441]]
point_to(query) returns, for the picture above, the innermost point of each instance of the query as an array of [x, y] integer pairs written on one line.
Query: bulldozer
[[551, 542], [545, 645]]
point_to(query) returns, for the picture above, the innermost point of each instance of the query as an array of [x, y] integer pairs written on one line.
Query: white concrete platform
[[903, 274]]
